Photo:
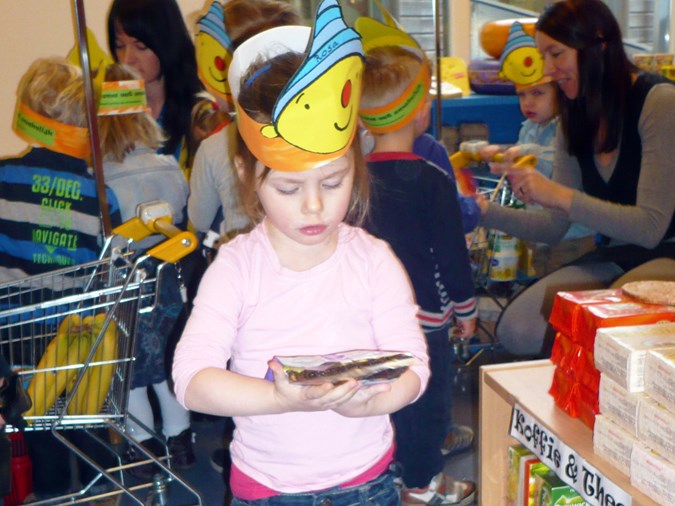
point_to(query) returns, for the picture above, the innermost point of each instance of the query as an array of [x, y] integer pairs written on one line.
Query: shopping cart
[[69, 334], [494, 256]]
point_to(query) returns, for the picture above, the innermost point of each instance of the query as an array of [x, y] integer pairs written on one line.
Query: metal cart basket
[[69, 334]]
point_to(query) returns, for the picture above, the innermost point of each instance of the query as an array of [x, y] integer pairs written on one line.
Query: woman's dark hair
[[159, 25], [604, 72]]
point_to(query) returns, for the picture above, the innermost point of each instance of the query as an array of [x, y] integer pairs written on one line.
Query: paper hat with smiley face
[[214, 51], [314, 119], [402, 110], [521, 61]]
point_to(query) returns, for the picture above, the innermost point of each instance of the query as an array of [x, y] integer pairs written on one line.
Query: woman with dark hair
[[151, 36], [613, 171]]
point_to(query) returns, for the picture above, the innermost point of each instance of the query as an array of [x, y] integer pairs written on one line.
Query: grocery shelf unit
[[527, 383]]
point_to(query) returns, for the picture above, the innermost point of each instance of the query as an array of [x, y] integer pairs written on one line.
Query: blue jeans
[[379, 491]]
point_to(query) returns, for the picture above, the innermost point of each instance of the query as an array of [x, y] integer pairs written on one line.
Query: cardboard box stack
[[578, 317]]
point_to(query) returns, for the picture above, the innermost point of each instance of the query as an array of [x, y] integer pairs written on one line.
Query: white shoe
[[441, 491]]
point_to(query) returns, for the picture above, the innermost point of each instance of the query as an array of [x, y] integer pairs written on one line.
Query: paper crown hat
[[403, 109], [521, 61], [315, 116], [214, 51]]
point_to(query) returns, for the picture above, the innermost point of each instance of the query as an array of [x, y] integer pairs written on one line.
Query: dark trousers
[[422, 426]]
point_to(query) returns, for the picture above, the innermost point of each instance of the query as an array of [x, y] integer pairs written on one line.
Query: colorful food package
[[368, 366], [621, 314], [660, 376], [620, 352], [613, 443], [657, 428], [575, 361], [564, 351], [573, 398], [652, 474], [550, 490], [521, 460], [620, 405], [567, 305]]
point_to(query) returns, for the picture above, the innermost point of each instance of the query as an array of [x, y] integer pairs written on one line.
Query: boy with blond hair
[[414, 207]]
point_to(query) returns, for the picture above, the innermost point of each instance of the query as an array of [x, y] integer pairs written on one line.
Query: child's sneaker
[[180, 449], [458, 440], [441, 491]]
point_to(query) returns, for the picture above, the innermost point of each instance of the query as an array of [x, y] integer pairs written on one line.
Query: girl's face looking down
[[136, 54], [560, 62], [305, 208], [538, 103]]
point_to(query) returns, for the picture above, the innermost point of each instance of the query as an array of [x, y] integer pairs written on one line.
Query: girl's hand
[[488, 153], [358, 404], [310, 398]]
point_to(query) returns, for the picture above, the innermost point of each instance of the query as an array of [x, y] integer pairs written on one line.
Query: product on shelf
[[652, 474], [550, 490], [619, 404], [652, 292], [620, 352], [521, 480], [613, 443], [660, 376], [657, 429], [567, 306], [622, 314]]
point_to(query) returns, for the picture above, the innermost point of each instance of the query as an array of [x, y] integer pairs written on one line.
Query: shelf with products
[[525, 385]]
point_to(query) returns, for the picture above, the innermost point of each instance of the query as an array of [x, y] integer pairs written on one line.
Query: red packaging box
[[567, 305]]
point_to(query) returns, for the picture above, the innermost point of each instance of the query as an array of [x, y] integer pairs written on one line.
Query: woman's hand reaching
[[530, 186]]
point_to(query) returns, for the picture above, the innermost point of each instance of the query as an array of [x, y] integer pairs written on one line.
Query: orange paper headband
[[122, 97], [51, 134], [314, 119], [401, 111]]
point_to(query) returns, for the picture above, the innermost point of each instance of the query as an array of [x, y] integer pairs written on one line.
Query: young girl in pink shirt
[[304, 281]]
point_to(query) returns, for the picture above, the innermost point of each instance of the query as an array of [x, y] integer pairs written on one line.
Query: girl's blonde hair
[[257, 97], [120, 134], [53, 87], [388, 71]]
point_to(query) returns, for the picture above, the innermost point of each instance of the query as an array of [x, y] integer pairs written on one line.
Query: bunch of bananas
[[69, 347]]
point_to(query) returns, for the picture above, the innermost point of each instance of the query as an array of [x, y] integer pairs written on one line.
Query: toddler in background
[[414, 207], [304, 281], [538, 99], [130, 138]]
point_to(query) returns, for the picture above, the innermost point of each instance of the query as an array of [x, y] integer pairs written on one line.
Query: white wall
[[39, 28]]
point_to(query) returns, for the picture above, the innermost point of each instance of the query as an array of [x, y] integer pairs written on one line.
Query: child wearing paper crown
[[414, 207], [213, 204], [50, 219], [304, 281], [42, 234], [132, 168], [538, 97]]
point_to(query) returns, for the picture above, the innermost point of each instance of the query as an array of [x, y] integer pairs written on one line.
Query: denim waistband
[[380, 491]]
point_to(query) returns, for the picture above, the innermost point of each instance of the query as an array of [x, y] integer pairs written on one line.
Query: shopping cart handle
[[156, 218]]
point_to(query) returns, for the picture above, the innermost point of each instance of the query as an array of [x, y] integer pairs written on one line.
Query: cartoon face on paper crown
[[214, 51], [521, 61], [315, 117], [401, 111]]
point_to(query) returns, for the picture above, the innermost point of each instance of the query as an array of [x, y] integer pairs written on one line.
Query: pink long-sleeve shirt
[[249, 308]]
